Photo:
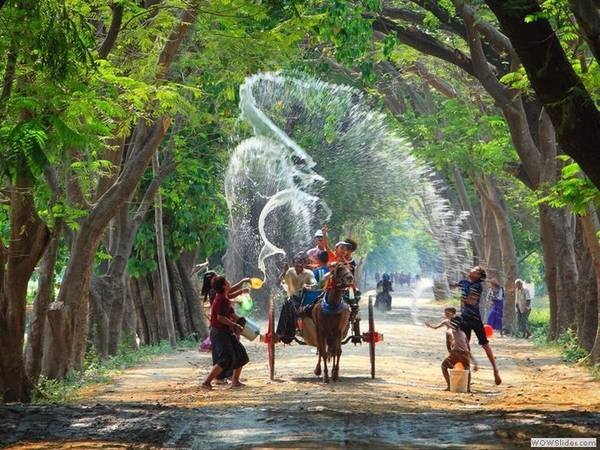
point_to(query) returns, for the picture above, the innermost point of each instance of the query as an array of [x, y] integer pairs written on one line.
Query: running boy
[[471, 294]]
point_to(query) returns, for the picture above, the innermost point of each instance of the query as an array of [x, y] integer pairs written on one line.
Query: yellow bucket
[[256, 283]]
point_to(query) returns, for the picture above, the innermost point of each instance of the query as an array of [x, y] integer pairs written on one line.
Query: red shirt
[[220, 306]]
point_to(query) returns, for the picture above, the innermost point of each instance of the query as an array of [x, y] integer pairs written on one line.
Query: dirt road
[[159, 404]]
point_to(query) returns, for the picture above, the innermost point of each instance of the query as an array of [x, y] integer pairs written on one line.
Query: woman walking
[[495, 301]]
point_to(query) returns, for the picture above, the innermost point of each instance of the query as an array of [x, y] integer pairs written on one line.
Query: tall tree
[[574, 114]]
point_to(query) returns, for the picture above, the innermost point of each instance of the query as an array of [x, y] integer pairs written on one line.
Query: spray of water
[[281, 183]]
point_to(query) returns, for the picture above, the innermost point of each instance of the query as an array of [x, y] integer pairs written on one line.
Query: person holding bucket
[[460, 352], [227, 351]]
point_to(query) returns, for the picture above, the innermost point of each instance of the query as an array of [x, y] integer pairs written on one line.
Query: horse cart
[[307, 333]]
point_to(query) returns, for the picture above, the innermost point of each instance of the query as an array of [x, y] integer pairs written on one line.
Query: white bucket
[[459, 380], [251, 331]]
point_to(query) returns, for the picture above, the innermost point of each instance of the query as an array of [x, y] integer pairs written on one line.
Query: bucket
[[250, 331], [459, 380]]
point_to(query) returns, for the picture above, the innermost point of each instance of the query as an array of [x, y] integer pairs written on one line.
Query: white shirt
[[523, 299], [295, 281]]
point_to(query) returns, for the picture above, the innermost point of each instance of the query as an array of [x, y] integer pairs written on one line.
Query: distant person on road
[[471, 290], [495, 303], [523, 306], [227, 351]]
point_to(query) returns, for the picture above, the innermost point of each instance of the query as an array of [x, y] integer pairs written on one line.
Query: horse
[[331, 316]]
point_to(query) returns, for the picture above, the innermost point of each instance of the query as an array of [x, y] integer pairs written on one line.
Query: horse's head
[[342, 276]]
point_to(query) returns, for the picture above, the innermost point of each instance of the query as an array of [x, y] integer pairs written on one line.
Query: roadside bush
[[98, 371], [566, 342]]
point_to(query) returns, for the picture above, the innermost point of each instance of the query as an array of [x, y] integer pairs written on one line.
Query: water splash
[[277, 181], [418, 289]]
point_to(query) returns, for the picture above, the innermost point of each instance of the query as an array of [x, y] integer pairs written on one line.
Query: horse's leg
[[341, 330], [325, 356], [315, 318], [335, 371], [318, 368]]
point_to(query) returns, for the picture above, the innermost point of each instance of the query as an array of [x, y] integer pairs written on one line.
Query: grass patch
[[100, 371], [566, 344]]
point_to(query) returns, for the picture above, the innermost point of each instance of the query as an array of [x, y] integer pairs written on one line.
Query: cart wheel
[[271, 343], [372, 340]]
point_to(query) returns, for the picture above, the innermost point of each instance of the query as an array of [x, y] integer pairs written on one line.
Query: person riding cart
[[296, 279]]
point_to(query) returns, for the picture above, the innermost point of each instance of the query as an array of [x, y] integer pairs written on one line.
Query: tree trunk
[[193, 301], [101, 298], [591, 226], [570, 106], [567, 270], [494, 200], [587, 13], [181, 311], [509, 253], [492, 258], [162, 262], [35, 347], [68, 316], [128, 332], [28, 241], [586, 313], [477, 236], [141, 323], [151, 311], [550, 266]]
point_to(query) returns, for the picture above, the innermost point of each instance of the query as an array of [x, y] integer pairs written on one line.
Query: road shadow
[[314, 427]]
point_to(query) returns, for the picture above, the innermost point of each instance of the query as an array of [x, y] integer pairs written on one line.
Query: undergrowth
[[566, 343], [99, 371]]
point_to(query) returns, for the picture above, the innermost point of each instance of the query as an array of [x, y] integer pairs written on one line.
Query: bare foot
[[497, 378], [206, 386], [237, 385], [224, 381]]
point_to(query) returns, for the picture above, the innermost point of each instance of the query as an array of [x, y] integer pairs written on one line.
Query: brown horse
[[331, 316]]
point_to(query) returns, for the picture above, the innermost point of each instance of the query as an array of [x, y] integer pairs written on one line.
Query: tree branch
[[567, 101], [419, 18], [587, 14], [167, 56], [440, 85], [457, 26], [113, 31], [119, 192], [499, 42], [9, 75], [512, 108], [424, 43], [148, 199]]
